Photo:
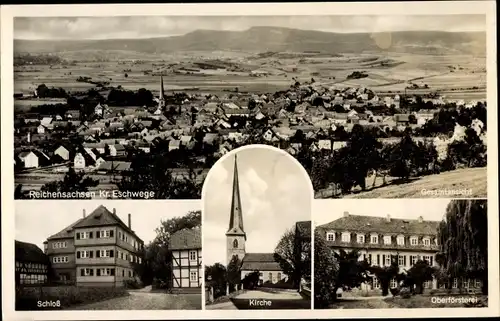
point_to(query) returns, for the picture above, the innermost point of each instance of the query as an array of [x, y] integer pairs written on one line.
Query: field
[[217, 72], [471, 178]]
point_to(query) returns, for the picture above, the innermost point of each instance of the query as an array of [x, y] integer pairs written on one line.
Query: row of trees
[[463, 254]]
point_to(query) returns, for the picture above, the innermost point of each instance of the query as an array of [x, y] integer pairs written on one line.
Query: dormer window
[[361, 238], [346, 237], [374, 239], [387, 240], [330, 236], [414, 240], [400, 240], [427, 241]]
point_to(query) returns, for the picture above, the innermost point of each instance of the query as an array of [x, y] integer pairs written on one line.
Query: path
[[370, 302], [143, 300]]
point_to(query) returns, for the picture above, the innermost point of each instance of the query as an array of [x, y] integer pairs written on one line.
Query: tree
[[251, 281], [385, 275], [72, 182], [234, 272], [417, 275], [218, 278], [463, 238], [402, 160], [290, 257], [326, 270], [352, 272]]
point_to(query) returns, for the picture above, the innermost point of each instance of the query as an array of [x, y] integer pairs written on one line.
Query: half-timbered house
[[186, 259], [32, 265]]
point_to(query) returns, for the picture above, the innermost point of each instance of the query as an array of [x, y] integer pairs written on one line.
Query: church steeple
[[236, 217], [161, 98], [235, 234]]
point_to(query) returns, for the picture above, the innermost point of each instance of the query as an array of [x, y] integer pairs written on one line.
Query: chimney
[[84, 213], [388, 218], [114, 211], [346, 214], [420, 219], [129, 221]]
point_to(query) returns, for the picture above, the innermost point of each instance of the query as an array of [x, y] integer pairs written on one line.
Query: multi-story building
[[32, 265], [97, 250], [382, 240]]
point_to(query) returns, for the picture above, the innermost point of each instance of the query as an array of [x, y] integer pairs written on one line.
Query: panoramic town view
[[144, 114]]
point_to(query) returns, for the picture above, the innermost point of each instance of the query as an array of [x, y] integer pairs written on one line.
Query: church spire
[[236, 218], [162, 90]]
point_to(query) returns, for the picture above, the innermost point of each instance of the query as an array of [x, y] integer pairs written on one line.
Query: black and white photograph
[[110, 255], [257, 231], [400, 254], [140, 107]]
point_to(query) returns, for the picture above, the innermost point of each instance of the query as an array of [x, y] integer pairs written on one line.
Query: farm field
[[227, 71]]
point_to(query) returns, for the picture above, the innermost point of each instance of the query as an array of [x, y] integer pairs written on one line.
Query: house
[[82, 160], [174, 144], [32, 265], [385, 240], [41, 129], [210, 138], [338, 145], [46, 121], [29, 159], [187, 141], [270, 135], [402, 119], [225, 148], [325, 144], [63, 152], [96, 250], [116, 150], [186, 258]]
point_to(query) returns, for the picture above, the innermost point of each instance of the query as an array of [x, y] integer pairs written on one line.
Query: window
[[401, 240], [105, 253], [84, 254], [374, 239], [427, 242], [477, 283], [427, 258], [376, 284], [361, 238], [387, 239], [388, 260], [427, 284], [270, 276], [140, 261], [235, 244], [346, 237], [393, 284], [84, 235], [60, 259], [466, 283], [414, 240], [401, 260], [129, 273], [330, 236], [279, 276], [59, 245], [87, 272], [193, 276], [192, 255], [455, 283], [413, 259], [123, 272], [105, 234]]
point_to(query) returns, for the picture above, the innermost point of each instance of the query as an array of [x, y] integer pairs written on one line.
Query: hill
[[470, 178], [262, 39]]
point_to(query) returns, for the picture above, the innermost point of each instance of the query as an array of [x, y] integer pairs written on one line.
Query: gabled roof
[[28, 252], [260, 261], [360, 223], [66, 233], [101, 216], [186, 239]]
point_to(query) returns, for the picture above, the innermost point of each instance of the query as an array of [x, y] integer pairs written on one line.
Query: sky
[[325, 211], [36, 220], [275, 194], [55, 28]]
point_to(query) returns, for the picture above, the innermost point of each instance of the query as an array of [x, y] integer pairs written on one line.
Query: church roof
[[236, 216], [186, 239], [260, 261]]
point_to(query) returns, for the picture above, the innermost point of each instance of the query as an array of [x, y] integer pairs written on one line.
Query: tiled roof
[[360, 223], [186, 239], [260, 261], [28, 252], [101, 216], [66, 233]]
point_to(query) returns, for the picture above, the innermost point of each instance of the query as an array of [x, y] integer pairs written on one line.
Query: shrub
[[159, 284], [133, 284], [395, 291]]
